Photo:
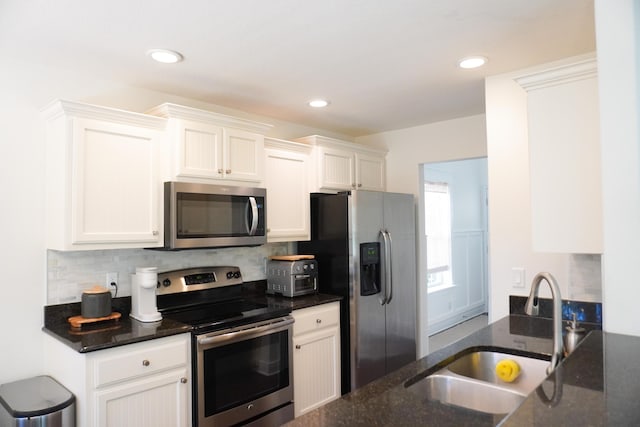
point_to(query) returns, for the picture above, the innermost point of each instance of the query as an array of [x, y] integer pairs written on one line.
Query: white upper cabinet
[[564, 153], [343, 165], [206, 146], [287, 178], [102, 173]]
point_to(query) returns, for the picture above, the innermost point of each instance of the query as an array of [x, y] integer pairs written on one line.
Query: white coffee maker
[[143, 295]]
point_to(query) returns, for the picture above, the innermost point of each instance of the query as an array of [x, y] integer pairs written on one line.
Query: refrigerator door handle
[[388, 276]]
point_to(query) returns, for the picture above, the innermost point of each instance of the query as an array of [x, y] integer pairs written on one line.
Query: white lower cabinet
[[146, 384], [316, 356]]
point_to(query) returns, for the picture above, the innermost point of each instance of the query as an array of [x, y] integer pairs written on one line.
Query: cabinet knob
[[145, 362], [353, 185], [298, 346], [228, 171], [318, 321], [220, 171], [183, 380], [155, 232], [359, 185]]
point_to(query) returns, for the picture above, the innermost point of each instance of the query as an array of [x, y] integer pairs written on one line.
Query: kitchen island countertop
[[587, 388]]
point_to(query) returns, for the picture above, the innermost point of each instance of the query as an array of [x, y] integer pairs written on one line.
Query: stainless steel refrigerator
[[364, 242]]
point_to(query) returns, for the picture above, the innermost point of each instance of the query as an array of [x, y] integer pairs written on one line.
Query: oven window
[[212, 215], [245, 371]]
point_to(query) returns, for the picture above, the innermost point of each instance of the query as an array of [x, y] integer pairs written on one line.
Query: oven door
[[244, 372]]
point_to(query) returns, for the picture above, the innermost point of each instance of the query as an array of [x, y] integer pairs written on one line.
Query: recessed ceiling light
[[318, 103], [472, 62], [165, 56]]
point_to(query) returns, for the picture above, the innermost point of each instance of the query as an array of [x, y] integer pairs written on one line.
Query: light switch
[[518, 277]]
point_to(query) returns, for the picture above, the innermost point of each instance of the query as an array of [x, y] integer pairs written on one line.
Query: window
[[438, 230]]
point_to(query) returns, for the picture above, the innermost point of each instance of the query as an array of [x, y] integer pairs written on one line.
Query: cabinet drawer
[[137, 360], [314, 318]]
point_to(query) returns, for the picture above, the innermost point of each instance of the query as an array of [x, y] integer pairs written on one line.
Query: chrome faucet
[[531, 308]]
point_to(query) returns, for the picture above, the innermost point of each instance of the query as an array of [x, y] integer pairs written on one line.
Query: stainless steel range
[[242, 355]]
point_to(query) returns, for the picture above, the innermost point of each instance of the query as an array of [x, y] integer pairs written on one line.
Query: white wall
[[618, 42], [25, 89], [463, 138], [509, 198]]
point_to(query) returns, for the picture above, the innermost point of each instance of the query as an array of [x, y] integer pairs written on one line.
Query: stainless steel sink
[[481, 365], [467, 393], [471, 382]]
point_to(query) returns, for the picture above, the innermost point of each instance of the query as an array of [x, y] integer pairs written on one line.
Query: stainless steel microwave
[[208, 216]]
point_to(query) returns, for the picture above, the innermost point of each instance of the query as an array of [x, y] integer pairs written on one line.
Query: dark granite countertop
[[128, 331], [593, 390]]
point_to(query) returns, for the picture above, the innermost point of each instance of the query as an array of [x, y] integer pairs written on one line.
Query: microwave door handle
[[251, 229]]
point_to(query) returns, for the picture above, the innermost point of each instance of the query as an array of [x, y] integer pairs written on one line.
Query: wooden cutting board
[[291, 257], [77, 321]]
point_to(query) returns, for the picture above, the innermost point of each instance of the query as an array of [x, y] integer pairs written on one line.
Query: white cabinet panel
[[103, 190], [371, 172], [342, 165], [158, 401], [316, 357], [564, 159], [152, 388], [199, 149], [244, 154], [213, 147], [287, 182]]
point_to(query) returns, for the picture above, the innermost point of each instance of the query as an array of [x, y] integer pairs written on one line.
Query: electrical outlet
[[112, 278], [518, 277]]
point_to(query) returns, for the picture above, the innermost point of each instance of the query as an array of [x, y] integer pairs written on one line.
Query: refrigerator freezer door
[[399, 222], [367, 312]]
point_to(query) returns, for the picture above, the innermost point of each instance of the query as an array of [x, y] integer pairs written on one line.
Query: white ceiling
[[384, 64]]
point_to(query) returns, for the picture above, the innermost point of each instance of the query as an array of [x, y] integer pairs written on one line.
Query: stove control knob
[[158, 285], [229, 274], [236, 274], [166, 283]]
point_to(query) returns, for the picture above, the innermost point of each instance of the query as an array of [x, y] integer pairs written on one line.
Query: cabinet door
[[564, 160], [156, 401], [286, 180], [244, 155], [316, 369], [199, 150], [115, 191], [336, 169], [370, 172]]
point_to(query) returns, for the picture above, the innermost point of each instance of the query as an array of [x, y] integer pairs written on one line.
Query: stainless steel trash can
[[37, 402]]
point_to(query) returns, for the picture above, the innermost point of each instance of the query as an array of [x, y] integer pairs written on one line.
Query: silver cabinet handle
[[220, 171], [155, 232], [228, 171], [318, 321], [359, 185], [298, 346], [145, 362], [183, 380]]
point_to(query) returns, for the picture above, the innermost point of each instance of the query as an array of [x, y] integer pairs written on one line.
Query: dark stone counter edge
[[123, 331], [369, 404]]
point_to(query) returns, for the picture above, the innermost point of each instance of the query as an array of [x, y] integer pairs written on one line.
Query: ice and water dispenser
[[369, 268]]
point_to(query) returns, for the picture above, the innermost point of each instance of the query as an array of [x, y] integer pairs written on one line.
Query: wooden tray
[[291, 257], [77, 321]]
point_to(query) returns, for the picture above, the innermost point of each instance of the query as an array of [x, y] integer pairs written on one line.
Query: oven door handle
[[242, 334]]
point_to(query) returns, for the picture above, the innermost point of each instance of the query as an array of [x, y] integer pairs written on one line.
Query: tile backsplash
[[69, 273], [585, 277]]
